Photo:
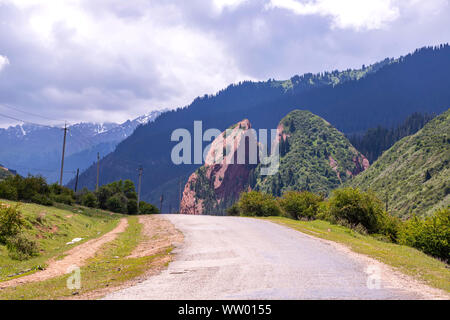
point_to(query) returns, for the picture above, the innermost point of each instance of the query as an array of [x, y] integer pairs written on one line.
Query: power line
[[14, 167], [25, 121], [9, 106]]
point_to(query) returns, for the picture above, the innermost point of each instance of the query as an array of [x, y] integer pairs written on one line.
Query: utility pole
[[161, 203], [387, 201], [63, 152], [179, 194], [76, 180], [98, 169], [139, 186]]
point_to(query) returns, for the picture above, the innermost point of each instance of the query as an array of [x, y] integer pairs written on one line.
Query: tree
[[117, 203]]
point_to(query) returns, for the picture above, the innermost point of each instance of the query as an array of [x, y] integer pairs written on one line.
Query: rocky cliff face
[[218, 184]]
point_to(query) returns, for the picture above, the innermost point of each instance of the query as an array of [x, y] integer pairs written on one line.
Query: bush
[[42, 200], [147, 208], [8, 191], [11, 222], [430, 235], [132, 206], [258, 204], [355, 207], [301, 205], [63, 198], [234, 210], [88, 199], [21, 247], [391, 228], [117, 203], [31, 186]]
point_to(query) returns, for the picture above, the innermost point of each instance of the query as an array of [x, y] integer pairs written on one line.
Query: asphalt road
[[243, 258]]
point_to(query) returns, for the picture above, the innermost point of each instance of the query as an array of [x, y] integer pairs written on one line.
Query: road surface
[[243, 258]]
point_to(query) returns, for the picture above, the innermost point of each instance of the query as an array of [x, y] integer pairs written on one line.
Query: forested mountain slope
[[413, 175], [314, 157]]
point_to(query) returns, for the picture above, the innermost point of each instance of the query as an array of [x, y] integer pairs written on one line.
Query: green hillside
[[314, 156], [414, 175], [4, 173], [51, 229]]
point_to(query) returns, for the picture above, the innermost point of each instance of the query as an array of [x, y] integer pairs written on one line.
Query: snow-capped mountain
[[36, 149]]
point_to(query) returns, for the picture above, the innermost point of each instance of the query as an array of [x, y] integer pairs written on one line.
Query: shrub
[[234, 210], [391, 227], [42, 200], [21, 247], [147, 208], [30, 186], [89, 199], [132, 207], [258, 204], [8, 191], [11, 222], [430, 235], [117, 203], [301, 205], [63, 198], [356, 207]]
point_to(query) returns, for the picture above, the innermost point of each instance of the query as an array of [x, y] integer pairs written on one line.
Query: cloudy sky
[[110, 60]]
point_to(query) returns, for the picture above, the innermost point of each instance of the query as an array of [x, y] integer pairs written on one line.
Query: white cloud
[[355, 14], [219, 5], [3, 62], [98, 55], [91, 60]]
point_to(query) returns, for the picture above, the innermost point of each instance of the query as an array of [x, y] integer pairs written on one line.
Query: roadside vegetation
[[118, 197], [31, 234], [109, 268], [359, 211]]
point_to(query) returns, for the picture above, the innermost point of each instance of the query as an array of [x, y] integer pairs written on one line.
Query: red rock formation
[[226, 174], [361, 164]]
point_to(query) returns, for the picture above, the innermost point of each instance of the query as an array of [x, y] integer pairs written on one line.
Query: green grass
[[109, 268], [406, 259], [52, 228]]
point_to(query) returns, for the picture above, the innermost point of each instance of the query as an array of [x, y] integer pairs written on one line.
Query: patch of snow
[[23, 131]]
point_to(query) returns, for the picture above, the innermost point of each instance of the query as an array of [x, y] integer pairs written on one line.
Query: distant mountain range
[[37, 149], [352, 101]]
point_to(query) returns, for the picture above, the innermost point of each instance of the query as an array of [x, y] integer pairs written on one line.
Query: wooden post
[[63, 153]]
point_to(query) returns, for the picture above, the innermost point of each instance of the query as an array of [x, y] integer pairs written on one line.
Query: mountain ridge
[[420, 81], [36, 149]]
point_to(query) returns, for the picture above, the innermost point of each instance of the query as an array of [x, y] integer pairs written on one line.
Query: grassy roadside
[[52, 228], [406, 259], [109, 268]]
